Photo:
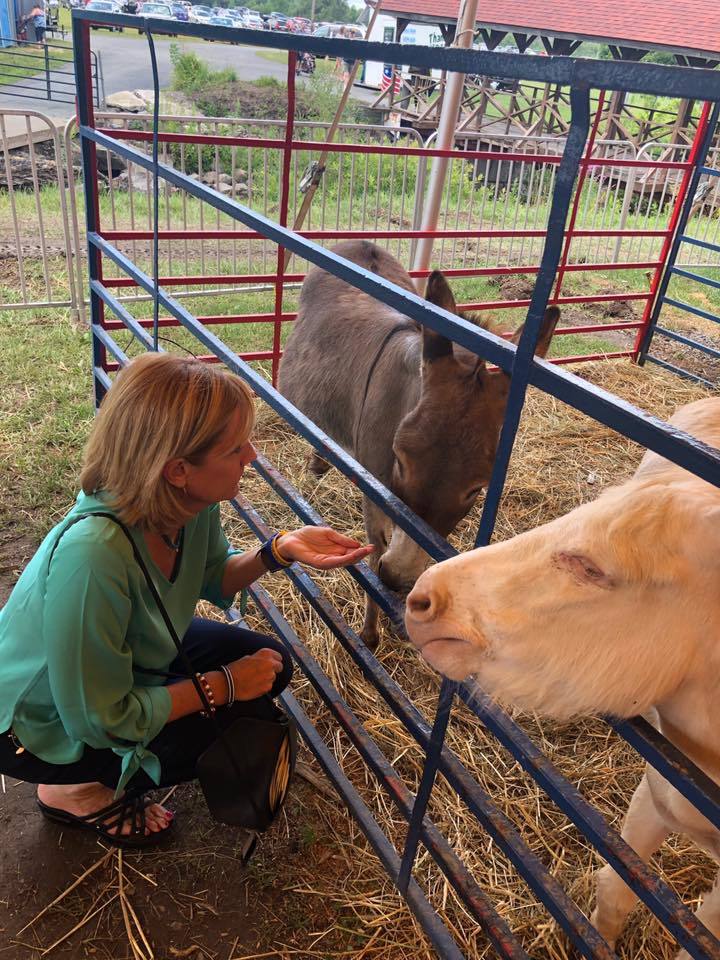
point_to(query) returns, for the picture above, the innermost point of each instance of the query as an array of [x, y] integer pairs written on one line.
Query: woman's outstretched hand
[[321, 547]]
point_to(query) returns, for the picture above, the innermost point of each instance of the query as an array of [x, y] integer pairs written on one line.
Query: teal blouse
[[74, 631]]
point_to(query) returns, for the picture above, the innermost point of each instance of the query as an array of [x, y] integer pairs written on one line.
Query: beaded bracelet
[[230, 684], [270, 556], [208, 691]]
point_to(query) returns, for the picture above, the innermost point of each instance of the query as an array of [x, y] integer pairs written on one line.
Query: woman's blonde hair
[[160, 407]]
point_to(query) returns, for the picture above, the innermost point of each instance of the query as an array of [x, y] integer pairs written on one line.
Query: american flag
[[389, 72]]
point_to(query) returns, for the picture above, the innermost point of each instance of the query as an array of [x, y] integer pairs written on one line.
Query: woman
[[94, 707], [37, 18]]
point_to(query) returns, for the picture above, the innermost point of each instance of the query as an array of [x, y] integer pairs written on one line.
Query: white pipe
[[452, 98]]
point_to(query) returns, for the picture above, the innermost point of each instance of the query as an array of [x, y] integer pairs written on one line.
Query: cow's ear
[[583, 570], [438, 292], [547, 329]]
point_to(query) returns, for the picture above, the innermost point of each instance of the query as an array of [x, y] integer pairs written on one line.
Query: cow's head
[[605, 610], [445, 447]]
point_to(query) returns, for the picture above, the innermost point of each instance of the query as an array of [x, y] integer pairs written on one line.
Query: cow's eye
[[472, 495], [400, 467]]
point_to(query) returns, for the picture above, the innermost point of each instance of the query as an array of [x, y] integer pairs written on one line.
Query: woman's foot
[[84, 799]]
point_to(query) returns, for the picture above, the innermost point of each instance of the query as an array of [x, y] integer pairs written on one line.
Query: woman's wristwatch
[[270, 556]]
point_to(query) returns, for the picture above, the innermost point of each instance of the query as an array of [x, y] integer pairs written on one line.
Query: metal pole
[[47, 73], [86, 119], [446, 135]]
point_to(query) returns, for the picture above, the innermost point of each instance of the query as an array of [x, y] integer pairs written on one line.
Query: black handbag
[[245, 773]]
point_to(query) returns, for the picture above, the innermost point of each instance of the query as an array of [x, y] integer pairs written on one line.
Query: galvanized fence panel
[[616, 414], [36, 247]]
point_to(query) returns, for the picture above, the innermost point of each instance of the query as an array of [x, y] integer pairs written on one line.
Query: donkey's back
[[336, 336]]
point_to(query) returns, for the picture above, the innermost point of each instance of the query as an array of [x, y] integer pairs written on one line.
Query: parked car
[[104, 6], [221, 22], [200, 13], [160, 11], [277, 21], [253, 21]]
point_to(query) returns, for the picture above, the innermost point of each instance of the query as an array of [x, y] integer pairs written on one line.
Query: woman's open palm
[[322, 548]]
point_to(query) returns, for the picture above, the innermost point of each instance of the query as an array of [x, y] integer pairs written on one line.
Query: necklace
[[172, 544]]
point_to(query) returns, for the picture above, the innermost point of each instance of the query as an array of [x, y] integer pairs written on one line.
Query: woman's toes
[[157, 818]]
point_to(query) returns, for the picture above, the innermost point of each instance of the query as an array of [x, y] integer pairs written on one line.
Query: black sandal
[[130, 808]]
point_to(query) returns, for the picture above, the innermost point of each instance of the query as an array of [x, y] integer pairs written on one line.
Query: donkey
[[419, 412], [610, 609]]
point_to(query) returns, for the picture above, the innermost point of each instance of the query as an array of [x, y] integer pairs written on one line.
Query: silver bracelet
[[230, 684]]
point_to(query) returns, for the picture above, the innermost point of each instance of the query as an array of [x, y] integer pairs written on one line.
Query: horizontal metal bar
[[40, 94], [688, 308], [245, 235], [598, 327], [680, 372], [692, 83], [36, 305], [705, 244], [428, 919], [475, 900], [110, 344], [684, 272], [543, 884], [322, 146], [596, 298], [215, 319], [687, 341], [664, 903], [125, 318], [710, 171], [103, 379], [375, 148], [687, 778], [614, 412], [587, 358]]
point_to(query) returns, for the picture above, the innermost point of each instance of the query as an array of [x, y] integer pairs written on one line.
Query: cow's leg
[[317, 465], [709, 913], [645, 831], [376, 525]]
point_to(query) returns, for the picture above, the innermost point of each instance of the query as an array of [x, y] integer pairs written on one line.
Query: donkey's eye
[[472, 495]]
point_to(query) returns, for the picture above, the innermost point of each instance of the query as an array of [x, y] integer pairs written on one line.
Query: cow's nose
[[422, 603]]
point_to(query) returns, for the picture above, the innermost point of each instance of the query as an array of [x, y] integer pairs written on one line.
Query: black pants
[[208, 644]]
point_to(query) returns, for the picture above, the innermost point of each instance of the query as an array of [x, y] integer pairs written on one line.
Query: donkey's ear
[[438, 292], [547, 329], [435, 346]]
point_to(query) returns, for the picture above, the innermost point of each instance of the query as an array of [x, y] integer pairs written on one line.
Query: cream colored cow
[[613, 608]]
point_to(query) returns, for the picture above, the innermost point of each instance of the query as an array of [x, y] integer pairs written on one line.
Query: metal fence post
[[47, 72]]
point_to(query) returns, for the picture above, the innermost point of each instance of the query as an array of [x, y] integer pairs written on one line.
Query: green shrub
[[191, 75]]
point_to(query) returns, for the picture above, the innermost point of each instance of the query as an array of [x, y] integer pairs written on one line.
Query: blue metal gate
[[704, 180], [580, 76]]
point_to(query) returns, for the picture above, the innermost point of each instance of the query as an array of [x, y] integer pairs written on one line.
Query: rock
[[21, 174], [127, 101], [137, 181], [224, 178]]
